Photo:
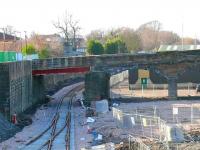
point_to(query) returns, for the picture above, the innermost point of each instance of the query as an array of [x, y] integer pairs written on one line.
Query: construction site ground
[[105, 124]]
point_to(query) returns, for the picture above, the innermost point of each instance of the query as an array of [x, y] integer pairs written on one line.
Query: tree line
[[148, 36]]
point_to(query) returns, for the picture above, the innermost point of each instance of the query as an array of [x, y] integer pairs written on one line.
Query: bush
[[44, 53], [114, 46], [28, 50], [94, 47]]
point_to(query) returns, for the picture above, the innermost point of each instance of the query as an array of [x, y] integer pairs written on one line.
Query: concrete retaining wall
[[4, 89], [19, 90], [15, 87], [115, 79]]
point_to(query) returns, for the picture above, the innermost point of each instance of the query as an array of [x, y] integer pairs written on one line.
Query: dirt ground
[[122, 90]]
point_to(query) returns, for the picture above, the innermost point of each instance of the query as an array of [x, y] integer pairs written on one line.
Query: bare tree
[[9, 30], [149, 33], [75, 28], [63, 27], [96, 35], [69, 28]]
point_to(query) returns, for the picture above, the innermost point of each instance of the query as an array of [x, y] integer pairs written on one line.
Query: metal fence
[[142, 125], [186, 113]]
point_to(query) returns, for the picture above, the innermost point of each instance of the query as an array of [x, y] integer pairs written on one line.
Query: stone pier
[[172, 88], [97, 86], [132, 77]]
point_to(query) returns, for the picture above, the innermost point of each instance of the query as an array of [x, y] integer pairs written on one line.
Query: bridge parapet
[[167, 58]]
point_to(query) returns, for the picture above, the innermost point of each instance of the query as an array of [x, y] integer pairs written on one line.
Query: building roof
[[178, 47], [7, 37]]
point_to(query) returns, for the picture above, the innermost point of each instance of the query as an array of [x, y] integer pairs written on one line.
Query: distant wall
[[151, 85]]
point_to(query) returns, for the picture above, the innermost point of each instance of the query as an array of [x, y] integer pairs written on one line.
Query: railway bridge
[[22, 83], [165, 68]]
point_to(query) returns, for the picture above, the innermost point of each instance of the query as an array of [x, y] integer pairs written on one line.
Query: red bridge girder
[[61, 70]]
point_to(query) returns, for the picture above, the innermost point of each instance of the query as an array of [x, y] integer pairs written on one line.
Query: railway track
[[57, 135]]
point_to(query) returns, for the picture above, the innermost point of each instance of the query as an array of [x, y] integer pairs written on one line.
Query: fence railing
[[143, 125]]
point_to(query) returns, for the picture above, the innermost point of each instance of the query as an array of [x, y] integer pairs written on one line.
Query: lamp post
[[182, 37]]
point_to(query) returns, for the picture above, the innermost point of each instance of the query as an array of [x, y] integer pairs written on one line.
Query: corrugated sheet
[[178, 47]]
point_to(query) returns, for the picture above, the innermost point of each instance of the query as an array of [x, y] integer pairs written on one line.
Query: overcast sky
[[37, 15]]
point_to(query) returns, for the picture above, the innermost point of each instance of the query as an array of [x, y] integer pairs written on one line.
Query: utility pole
[[20, 39], [4, 38], [25, 40], [195, 41], [15, 40], [182, 36]]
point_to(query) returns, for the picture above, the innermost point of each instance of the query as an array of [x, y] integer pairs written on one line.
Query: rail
[[52, 128]]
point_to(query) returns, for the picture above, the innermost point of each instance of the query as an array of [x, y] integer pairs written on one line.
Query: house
[[79, 50], [10, 43], [57, 45], [53, 42]]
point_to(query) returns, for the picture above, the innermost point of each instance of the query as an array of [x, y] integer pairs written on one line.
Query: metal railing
[[147, 126]]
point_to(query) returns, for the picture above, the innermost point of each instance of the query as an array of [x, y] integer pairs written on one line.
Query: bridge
[[165, 67], [167, 63], [22, 84]]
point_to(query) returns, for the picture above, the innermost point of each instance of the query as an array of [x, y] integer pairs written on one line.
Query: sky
[[38, 15]]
